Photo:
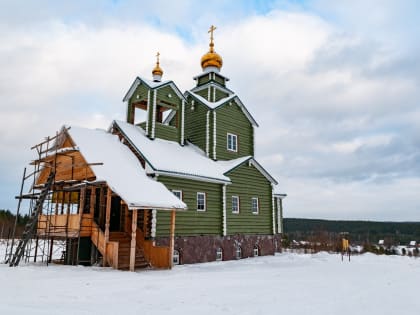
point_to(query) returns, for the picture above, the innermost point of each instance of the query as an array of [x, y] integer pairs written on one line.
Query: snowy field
[[281, 284]]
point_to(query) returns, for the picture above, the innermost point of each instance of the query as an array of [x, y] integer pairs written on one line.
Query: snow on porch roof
[[122, 171], [170, 157]]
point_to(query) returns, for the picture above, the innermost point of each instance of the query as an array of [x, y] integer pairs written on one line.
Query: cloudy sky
[[334, 85]]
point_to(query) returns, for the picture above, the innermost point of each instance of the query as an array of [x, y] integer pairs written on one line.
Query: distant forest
[[7, 221], [361, 232]]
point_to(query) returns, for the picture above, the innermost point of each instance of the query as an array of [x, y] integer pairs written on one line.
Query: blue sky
[[334, 86]]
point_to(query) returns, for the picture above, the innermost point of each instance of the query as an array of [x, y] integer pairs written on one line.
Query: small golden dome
[[211, 59], [157, 69]]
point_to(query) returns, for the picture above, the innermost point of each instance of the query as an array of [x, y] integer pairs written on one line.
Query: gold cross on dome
[[211, 30], [157, 57]]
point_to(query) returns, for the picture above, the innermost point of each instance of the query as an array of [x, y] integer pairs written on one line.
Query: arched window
[[238, 253], [175, 257], [219, 254], [256, 251]]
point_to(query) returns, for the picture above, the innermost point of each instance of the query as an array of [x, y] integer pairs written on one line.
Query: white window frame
[[219, 254], [205, 201], [252, 205], [174, 191], [237, 204], [233, 148]]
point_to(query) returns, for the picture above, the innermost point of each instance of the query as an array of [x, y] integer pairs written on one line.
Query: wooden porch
[[120, 235]]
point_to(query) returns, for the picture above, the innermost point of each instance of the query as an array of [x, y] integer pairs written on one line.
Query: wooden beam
[[82, 200], [172, 238], [133, 241], [107, 218], [92, 200]]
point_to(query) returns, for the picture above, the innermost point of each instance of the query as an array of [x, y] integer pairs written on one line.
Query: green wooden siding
[[195, 124], [203, 93], [248, 182], [140, 94], [203, 79], [219, 79], [220, 94], [231, 119], [166, 132], [163, 95], [142, 125], [192, 222]]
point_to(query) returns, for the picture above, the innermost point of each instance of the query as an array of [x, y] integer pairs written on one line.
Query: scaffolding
[[54, 206]]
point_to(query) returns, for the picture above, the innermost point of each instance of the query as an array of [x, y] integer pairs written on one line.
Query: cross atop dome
[[211, 60], [157, 72]]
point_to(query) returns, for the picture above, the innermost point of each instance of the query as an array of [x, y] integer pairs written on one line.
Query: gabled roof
[[122, 171], [152, 85], [168, 157], [230, 165], [224, 101]]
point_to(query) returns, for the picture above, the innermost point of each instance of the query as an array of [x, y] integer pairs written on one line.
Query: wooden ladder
[[30, 227]]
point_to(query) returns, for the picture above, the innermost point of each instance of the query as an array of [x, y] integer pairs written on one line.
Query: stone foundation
[[198, 249]]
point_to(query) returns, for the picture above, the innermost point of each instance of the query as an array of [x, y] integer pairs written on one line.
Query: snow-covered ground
[[282, 284]]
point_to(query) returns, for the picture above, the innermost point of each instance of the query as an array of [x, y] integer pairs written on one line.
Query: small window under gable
[[232, 142], [201, 201], [235, 204], [255, 205], [177, 193]]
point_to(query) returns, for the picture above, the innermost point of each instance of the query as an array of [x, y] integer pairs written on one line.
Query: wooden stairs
[[124, 243]]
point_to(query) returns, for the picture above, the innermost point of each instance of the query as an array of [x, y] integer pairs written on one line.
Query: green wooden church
[[200, 145], [181, 187]]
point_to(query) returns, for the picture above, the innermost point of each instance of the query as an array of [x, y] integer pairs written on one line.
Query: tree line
[[360, 232], [7, 221]]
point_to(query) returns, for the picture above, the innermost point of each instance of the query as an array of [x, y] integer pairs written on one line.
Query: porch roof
[[122, 171]]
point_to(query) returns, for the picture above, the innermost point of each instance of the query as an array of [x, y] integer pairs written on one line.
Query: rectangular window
[[255, 205], [177, 193], [232, 142], [201, 201], [235, 204]]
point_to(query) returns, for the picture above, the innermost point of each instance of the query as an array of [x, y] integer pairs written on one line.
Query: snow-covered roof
[[211, 83], [223, 101], [152, 85], [232, 164], [212, 105], [168, 157], [122, 171], [207, 70]]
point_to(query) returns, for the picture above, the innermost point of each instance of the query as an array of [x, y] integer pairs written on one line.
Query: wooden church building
[[183, 186]]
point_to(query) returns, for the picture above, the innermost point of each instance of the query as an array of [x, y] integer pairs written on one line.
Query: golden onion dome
[[211, 59], [157, 70]]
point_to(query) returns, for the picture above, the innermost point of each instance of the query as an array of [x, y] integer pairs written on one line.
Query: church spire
[[211, 60], [157, 72]]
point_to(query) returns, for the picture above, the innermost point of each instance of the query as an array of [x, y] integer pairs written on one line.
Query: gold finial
[[211, 59], [211, 30], [157, 71]]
